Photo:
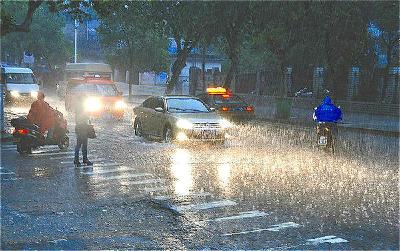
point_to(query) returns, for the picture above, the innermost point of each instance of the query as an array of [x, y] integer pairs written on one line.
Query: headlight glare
[[184, 124], [14, 94], [93, 104], [225, 124], [119, 105], [34, 94]]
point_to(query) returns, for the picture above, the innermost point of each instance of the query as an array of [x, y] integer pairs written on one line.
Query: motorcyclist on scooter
[[42, 114], [327, 112]]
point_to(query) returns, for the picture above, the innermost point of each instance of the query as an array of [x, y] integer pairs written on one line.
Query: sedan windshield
[[188, 105], [95, 89], [19, 78]]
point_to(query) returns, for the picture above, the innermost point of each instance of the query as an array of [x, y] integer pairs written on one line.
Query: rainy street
[[267, 187]]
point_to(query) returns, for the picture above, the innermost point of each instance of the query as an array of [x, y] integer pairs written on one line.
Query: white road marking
[[142, 182], [9, 149], [71, 156], [203, 206], [136, 175], [8, 146], [113, 165], [327, 239], [10, 179], [92, 160], [53, 153], [105, 171], [242, 215], [1, 173], [274, 228], [183, 197], [155, 189]]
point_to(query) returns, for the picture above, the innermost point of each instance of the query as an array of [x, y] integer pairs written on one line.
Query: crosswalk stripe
[[100, 178], [203, 206], [274, 228], [1, 173], [142, 182], [327, 239], [116, 170], [52, 153], [242, 215], [92, 160], [155, 189], [190, 195]]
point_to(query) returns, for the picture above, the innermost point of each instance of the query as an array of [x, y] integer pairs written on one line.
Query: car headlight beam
[[225, 124], [14, 94], [34, 94], [93, 105], [184, 124], [120, 104]]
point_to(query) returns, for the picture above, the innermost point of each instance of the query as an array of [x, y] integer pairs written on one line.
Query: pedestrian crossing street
[[224, 216]]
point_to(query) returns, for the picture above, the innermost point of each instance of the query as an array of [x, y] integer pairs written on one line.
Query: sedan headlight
[[184, 124], [34, 94], [14, 94], [225, 124], [93, 105], [119, 105]]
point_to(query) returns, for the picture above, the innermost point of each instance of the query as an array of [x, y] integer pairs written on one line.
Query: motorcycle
[[325, 136], [27, 136]]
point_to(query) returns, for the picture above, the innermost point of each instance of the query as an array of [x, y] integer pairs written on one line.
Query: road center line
[[203, 206]]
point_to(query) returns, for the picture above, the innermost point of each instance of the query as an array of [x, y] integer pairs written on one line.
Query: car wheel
[[138, 128], [168, 135]]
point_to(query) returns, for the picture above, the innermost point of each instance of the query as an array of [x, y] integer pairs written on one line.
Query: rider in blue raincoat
[[327, 112]]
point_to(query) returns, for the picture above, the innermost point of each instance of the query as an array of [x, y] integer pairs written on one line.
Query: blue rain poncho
[[327, 112]]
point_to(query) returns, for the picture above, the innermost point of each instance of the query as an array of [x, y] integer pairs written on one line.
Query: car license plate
[[322, 141], [207, 134]]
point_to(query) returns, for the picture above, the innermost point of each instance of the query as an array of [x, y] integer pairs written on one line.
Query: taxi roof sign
[[216, 90]]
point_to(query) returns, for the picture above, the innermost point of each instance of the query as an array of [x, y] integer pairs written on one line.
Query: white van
[[19, 83]]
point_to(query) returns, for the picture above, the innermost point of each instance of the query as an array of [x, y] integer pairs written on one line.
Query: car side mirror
[[159, 109], [212, 109]]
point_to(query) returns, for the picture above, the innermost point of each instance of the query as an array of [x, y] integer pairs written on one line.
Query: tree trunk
[[232, 70], [177, 67], [203, 68]]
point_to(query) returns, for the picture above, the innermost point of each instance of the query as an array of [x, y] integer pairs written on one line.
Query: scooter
[[27, 136], [325, 136]]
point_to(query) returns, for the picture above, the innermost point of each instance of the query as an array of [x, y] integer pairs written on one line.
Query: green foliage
[[44, 39], [129, 40]]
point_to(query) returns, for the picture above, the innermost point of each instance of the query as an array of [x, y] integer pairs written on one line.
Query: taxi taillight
[[224, 109], [21, 131]]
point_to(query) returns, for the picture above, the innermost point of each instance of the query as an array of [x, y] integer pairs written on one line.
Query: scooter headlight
[[34, 94], [14, 94], [120, 104], [93, 104]]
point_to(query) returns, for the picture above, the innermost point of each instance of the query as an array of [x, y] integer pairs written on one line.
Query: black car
[[228, 105]]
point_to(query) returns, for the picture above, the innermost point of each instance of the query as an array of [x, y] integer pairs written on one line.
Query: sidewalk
[[368, 122]]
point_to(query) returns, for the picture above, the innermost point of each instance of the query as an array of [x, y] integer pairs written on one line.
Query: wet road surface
[[268, 187]]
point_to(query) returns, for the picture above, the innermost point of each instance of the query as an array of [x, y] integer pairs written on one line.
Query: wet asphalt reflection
[[267, 187]]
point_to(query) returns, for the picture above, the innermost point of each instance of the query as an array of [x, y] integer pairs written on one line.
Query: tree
[[186, 23], [15, 21], [128, 40], [45, 38]]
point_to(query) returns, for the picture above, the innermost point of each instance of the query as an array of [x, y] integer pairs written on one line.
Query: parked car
[[180, 118], [307, 92]]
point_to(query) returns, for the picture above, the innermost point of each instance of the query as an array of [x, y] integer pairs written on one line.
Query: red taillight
[[225, 109], [22, 131], [249, 108]]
